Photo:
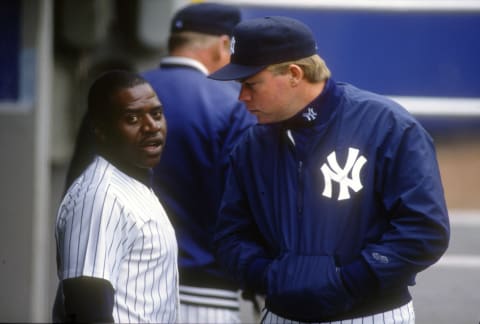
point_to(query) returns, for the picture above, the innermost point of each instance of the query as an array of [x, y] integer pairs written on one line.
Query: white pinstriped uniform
[[209, 305], [113, 227], [401, 315]]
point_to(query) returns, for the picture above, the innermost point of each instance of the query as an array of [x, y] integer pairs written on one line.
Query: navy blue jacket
[[332, 213], [204, 120]]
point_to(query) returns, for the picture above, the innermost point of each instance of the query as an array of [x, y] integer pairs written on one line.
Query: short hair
[[189, 39], [314, 68], [103, 89]]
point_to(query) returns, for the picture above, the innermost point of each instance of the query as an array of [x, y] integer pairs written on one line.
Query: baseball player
[[334, 201], [116, 248], [205, 120]]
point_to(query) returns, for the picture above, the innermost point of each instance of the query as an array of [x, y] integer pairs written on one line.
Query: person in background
[[205, 120], [116, 248], [334, 201]]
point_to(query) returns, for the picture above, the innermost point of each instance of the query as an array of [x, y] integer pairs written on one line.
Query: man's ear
[[221, 52], [296, 74], [100, 134], [225, 43]]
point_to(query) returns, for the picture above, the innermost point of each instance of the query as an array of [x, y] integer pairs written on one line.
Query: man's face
[[137, 133], [268, 96]]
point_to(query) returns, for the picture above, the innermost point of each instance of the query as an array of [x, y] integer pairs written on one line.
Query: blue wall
[[9, 49]]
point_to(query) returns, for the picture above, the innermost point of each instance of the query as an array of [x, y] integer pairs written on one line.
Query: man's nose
[[244, 94], [151, 124]]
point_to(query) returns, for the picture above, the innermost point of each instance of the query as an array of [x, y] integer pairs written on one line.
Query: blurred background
[[424, 54]]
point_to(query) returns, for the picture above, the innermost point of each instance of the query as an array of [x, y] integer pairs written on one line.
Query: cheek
[[163, 125], [275, 96], [279, 85], [123, 135]]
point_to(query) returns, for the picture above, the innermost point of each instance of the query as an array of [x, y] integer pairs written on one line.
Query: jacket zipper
[[300, 189], [299, 175]]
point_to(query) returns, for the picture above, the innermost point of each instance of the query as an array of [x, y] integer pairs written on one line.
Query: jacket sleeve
[[239, 120], [410, 187], [237, 241]]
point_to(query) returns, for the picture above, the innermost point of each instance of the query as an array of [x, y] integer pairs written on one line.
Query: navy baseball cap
[[207, 18], [260, 42]]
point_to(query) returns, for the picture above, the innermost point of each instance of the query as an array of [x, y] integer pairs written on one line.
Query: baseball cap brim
[[234, 71]]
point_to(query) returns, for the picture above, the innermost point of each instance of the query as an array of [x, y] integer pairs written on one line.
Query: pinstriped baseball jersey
[[113, 227], [400, 315]]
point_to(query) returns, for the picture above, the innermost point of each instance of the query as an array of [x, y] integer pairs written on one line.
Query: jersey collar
[[183, 61]]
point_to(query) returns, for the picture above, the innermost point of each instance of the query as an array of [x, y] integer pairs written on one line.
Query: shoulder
[[100, 182], [92, 179], [381, 123], [165, 75], [185, 83], [257, 139], [137, 201], [366, 106]]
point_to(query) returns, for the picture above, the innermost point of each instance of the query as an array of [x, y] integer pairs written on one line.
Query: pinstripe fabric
[[203, 314], [113, 227], [401, 315], [208, 305]]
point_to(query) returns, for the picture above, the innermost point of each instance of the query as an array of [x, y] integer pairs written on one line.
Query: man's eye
[[157, 114], [131, 119]]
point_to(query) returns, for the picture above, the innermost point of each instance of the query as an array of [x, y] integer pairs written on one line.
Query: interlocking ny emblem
[[232, 46], [333, 172], [310, 114]]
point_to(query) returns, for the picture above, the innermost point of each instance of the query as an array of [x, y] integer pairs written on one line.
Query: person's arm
[[236, 239], [88, 300], [419, 231]]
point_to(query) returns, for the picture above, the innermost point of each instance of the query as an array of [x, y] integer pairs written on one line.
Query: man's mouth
[[153, 146]]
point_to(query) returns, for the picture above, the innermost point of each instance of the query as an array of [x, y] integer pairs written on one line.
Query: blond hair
[[314, 68]]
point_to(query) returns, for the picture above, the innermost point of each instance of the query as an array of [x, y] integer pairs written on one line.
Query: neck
[[307, 93], [140, 174], [213, 57], [312, 91]]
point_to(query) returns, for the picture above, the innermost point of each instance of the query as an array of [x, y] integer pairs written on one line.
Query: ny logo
[[232, 46], [333, 172], [310, 114]]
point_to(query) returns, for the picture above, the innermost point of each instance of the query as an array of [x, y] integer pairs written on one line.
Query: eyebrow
[[135, 110]]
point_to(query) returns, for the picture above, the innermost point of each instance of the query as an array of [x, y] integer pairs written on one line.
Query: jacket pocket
[[306, 288]]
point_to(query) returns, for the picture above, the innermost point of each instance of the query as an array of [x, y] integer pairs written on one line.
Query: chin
[[150, 162]]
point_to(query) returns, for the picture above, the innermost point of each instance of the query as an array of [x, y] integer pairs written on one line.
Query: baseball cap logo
[[282, 39], [232, 45]]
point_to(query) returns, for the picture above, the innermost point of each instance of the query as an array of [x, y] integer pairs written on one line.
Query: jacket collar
[[183, 61], [319, 111]]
